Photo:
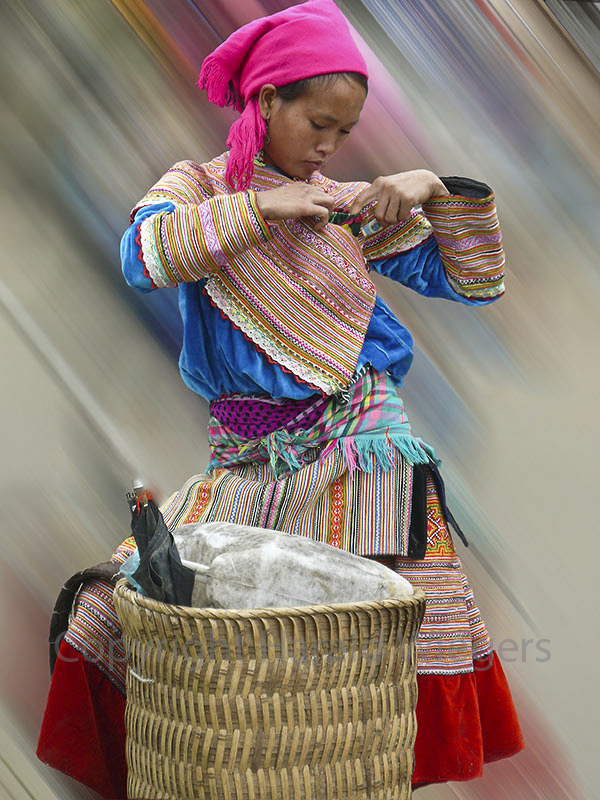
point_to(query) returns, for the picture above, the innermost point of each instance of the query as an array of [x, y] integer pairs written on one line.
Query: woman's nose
[[326, 146]]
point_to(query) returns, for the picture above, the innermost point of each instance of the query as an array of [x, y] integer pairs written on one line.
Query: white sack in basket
[[238, 566]]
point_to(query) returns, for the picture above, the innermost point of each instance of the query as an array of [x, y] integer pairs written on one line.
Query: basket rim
[[125, 592]]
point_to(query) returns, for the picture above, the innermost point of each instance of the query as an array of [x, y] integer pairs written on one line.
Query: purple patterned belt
[[254, 417]]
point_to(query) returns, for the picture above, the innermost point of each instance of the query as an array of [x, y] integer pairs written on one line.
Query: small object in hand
[[352, 222], [371, 227]]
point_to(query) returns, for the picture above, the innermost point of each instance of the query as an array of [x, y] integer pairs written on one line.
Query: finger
[[322, 210], [380, 210], [364, 198], [318, 216], [387, 207], [404, 211], [315, 203], [391, 212], [315, 222], [326, 200]]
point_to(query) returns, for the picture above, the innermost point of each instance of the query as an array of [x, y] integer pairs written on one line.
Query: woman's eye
[[318, 127], [345, 132]]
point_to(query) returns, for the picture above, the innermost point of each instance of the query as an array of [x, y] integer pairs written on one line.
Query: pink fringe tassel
[[245, 140], [215, 80], [348, 445]]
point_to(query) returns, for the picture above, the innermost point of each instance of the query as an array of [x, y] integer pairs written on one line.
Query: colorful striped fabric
[[214, 233], [453, 633], [379, 242], [367, 513], [303, 297], [323, 502], [469, 239], [94, 628]]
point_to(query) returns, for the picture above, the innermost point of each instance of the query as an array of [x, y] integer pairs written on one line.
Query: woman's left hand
[[397, 195]]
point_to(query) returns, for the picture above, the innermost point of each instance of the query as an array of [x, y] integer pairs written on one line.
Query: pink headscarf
[[300, 42]]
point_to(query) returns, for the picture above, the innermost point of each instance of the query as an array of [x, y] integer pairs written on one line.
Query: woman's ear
[[266, 100]]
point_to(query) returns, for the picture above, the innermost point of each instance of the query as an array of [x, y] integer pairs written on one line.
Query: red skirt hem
[[83, 729], [463, 722]]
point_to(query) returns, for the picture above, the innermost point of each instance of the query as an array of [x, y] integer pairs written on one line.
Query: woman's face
[[307, 131]]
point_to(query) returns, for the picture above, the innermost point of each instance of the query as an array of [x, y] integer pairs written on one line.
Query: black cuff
[[467, 187]]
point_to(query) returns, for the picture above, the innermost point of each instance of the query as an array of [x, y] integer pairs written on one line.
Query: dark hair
[[291, 91]]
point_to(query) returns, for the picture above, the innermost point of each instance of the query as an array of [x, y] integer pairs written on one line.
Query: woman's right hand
[[296, 200]]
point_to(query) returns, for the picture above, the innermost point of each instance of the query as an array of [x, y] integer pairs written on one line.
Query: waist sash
[[367, 424]]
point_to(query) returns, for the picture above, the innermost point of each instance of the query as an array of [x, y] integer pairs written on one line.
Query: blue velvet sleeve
[[132, 264], [421, 269]]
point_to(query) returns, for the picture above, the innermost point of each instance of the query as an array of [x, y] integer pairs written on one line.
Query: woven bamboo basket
[[307, 703]]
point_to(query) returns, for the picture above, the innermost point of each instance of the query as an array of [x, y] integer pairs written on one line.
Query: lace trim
[[220, 298], [151, 255]]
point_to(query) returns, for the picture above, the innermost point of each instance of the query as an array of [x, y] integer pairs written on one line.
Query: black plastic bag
[[160, 573]]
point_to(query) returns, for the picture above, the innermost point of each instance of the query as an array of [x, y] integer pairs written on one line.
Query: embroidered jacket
[[303, 299]]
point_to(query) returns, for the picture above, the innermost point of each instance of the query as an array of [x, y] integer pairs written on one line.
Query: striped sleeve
[[184, 183], [381, 242], [466, 228], [190, 242]]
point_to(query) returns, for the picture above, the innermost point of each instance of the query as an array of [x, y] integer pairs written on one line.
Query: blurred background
[[98, 100]]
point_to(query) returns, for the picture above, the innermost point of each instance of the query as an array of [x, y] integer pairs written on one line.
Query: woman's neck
[[266, 161]]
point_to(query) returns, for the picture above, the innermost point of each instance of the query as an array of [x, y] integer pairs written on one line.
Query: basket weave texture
[[307, 703]]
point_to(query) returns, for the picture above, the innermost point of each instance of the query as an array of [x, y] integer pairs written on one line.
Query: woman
[[285, 336]]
